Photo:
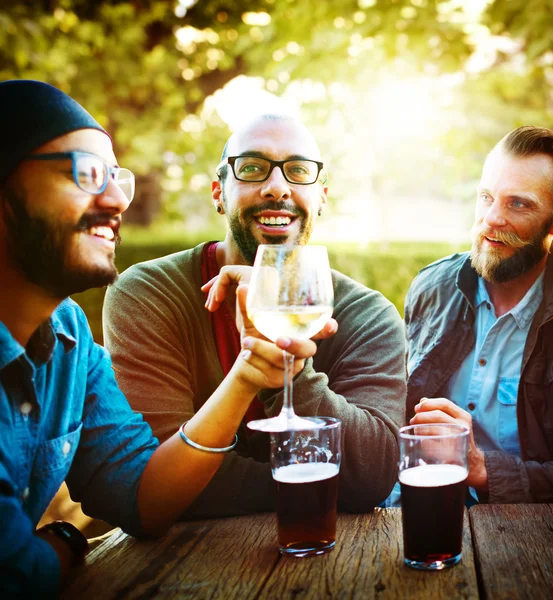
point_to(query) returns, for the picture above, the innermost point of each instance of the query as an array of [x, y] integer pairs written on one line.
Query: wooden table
[[237, 558], [513, 550]]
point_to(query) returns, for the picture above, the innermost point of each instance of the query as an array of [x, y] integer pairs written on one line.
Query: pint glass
[[433, 471], [305, 465]]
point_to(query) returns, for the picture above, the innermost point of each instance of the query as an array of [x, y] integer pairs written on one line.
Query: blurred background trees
[[404, 96]]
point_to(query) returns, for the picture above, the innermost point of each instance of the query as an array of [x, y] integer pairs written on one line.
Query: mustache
[[280, 205], [510, 239], [89, 220]]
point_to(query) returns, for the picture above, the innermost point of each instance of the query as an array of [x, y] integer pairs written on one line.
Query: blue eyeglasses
[[91, 174]]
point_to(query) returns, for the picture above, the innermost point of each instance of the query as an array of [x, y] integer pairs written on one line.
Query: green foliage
[[140, 69], [389, 270], [529, 21], [144, 71]]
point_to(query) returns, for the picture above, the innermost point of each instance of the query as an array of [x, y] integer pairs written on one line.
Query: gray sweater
[[165, 359]]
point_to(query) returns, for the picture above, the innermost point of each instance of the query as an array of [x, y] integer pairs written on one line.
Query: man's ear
[[216, 191], [324, 192]]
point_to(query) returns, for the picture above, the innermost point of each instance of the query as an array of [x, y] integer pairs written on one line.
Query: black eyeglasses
[[299, 171], [91, 173]]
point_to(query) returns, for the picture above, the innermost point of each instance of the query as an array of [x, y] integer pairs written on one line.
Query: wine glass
[[290, 295]]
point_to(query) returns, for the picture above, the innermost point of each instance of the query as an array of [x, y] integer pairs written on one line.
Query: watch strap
[[71, 536]]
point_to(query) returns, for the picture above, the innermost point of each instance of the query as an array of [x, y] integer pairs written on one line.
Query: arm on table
[[156, 364], [31, 565], [175, 465]]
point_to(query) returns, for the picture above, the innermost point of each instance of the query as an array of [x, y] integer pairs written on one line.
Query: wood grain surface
[[238, 558], [368, 563], [513, 545], [221, 558]]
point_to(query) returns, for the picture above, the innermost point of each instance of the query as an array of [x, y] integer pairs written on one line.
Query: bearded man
[[62, 416], [171, 354], [480, 328]]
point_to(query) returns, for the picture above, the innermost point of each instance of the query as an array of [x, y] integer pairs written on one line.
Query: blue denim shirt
[[440, 320], [486, 383], [62, 417]]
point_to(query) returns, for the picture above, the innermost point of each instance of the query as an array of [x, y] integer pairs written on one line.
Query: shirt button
[[25, 494], [26, 408], [482, 362], [471, 406], [65, 448]]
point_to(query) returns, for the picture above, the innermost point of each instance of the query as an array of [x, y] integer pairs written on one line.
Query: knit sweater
[[165, 359]]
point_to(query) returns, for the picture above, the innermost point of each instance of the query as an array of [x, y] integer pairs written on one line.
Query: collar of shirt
[[41, 345], [525, 310]]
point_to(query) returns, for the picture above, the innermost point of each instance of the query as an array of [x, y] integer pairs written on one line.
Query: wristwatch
[[71, 536]]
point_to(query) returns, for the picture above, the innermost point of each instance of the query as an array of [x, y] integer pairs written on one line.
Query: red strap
[[227, 337]]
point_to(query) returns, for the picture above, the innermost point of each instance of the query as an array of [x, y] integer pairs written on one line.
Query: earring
[[219, 209], [320, 212]]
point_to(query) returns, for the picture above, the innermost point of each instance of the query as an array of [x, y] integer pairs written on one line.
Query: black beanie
[[31, 114]]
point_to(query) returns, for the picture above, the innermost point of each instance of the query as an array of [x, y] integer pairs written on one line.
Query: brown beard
[[528, 253], [244, 239], [40, 248]]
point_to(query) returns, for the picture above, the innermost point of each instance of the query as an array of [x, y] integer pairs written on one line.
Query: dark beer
[[306, 507], [433, 500]]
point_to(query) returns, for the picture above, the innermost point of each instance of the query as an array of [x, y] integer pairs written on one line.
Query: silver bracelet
[[187, 440]]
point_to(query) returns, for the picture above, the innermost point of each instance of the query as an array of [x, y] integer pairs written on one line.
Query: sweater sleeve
[[358, 376], [166, 363]]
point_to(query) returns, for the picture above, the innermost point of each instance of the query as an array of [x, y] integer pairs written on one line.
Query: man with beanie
[[62, 416]]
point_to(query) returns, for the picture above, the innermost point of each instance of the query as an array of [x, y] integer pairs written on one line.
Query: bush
[[388, 269]]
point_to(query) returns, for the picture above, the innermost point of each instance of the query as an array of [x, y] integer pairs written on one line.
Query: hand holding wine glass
[[260, 364], [290, 295], [231, 276]]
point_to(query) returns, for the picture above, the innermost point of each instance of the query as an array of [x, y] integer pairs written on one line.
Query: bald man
[[171, 354]]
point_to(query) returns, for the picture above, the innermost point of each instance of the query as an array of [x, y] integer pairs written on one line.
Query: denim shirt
[[486, 384], [62, 417], [440, 322]]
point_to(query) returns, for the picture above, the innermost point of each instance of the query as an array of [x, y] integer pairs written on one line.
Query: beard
[[490, 265], [240, 227], [41, 250]]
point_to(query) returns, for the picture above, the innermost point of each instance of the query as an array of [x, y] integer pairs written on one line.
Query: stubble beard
[[492, 267], [241, 228], [42, 251]]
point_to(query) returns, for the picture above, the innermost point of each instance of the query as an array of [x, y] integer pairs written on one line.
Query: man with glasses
[[171, 355], [62, 416]]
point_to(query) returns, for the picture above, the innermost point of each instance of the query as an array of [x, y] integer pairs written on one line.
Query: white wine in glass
[[290, 295]]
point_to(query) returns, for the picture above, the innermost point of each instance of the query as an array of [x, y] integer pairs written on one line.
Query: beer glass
[[433, 470], [290, 294], [305, 467]]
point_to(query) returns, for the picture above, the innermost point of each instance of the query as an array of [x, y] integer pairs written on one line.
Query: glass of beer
[[433, 470], [305, 465]]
